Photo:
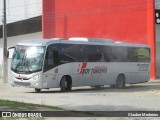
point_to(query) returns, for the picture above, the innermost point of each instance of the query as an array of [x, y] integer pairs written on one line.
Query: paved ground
[[136, 97]]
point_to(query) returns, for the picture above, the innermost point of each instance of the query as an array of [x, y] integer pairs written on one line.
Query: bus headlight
[[36, 77]]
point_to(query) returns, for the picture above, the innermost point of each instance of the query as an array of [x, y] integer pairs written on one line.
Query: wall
[[21, 9], [158, 50], [122, 20]]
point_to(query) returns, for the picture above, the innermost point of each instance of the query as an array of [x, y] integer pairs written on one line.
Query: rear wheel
[[37, 90], [112, 86], [120, 82]]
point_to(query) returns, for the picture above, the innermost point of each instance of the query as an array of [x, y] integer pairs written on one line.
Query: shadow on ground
[[129, 88]]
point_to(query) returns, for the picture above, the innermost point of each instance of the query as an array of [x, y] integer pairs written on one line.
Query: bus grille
[[22, 84], [23, 78]]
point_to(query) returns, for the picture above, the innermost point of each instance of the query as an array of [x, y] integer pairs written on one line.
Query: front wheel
[[65, 84], [37, 90], [120, 82]]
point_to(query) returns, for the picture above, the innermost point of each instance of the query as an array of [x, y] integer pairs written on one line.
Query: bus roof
[[46, 42]]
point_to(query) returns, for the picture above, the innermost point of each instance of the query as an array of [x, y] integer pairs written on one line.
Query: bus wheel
[[112, 86], [37, 90], [120, 82], [66, 84]]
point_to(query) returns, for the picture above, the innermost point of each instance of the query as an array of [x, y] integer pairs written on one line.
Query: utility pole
[[5, 61]]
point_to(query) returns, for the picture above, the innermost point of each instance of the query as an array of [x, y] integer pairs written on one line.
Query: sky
[[21, 9]]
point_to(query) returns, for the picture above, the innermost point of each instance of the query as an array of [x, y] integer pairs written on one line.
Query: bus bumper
[[30, 83]]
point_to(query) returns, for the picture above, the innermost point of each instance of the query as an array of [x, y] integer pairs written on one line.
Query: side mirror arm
[[8, 51]]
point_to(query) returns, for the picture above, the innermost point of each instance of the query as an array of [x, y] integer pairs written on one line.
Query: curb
[[154, 81]]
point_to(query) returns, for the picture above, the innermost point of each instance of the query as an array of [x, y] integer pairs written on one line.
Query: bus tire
[[37, 90], [120, 82], [66, 84], [112, 86]]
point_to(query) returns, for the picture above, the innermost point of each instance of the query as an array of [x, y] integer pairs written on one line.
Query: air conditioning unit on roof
[[57, 39], [91, 39]]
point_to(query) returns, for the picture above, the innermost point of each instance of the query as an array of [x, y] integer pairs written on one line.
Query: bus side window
[[89, 53], [48, 64], [132, 55], [100, 57], [51, 58], [69, 53], [103, 54], [143, 55], [55, 56]]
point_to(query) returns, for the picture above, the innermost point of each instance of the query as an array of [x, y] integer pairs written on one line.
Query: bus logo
[[81, 68], [20, 77], [95, 70]]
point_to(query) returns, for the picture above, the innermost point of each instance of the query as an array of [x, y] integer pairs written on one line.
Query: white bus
[[44, 64]]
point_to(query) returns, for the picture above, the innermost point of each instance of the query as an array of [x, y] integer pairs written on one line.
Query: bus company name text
[[94, 71], [143, 67]]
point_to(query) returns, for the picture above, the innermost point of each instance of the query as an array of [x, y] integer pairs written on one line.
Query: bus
[[62, 63]]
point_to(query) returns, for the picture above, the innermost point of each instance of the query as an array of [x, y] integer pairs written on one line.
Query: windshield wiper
[[20, 61], [27, 65]]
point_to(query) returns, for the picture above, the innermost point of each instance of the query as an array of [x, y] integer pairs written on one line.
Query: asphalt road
[[138, 97]]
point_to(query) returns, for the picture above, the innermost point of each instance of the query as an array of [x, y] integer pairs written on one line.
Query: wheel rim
[[120, 82], [65, 84]]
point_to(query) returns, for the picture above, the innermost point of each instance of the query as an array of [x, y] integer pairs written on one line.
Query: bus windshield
[[27, 59]]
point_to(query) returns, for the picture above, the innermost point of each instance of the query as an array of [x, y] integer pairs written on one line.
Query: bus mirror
[[10, 52], [7, 54]]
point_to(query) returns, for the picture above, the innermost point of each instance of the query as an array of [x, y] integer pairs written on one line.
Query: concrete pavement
[[145, 96]]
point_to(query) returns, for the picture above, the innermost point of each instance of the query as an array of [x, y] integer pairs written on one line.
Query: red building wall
[[121, 20]]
